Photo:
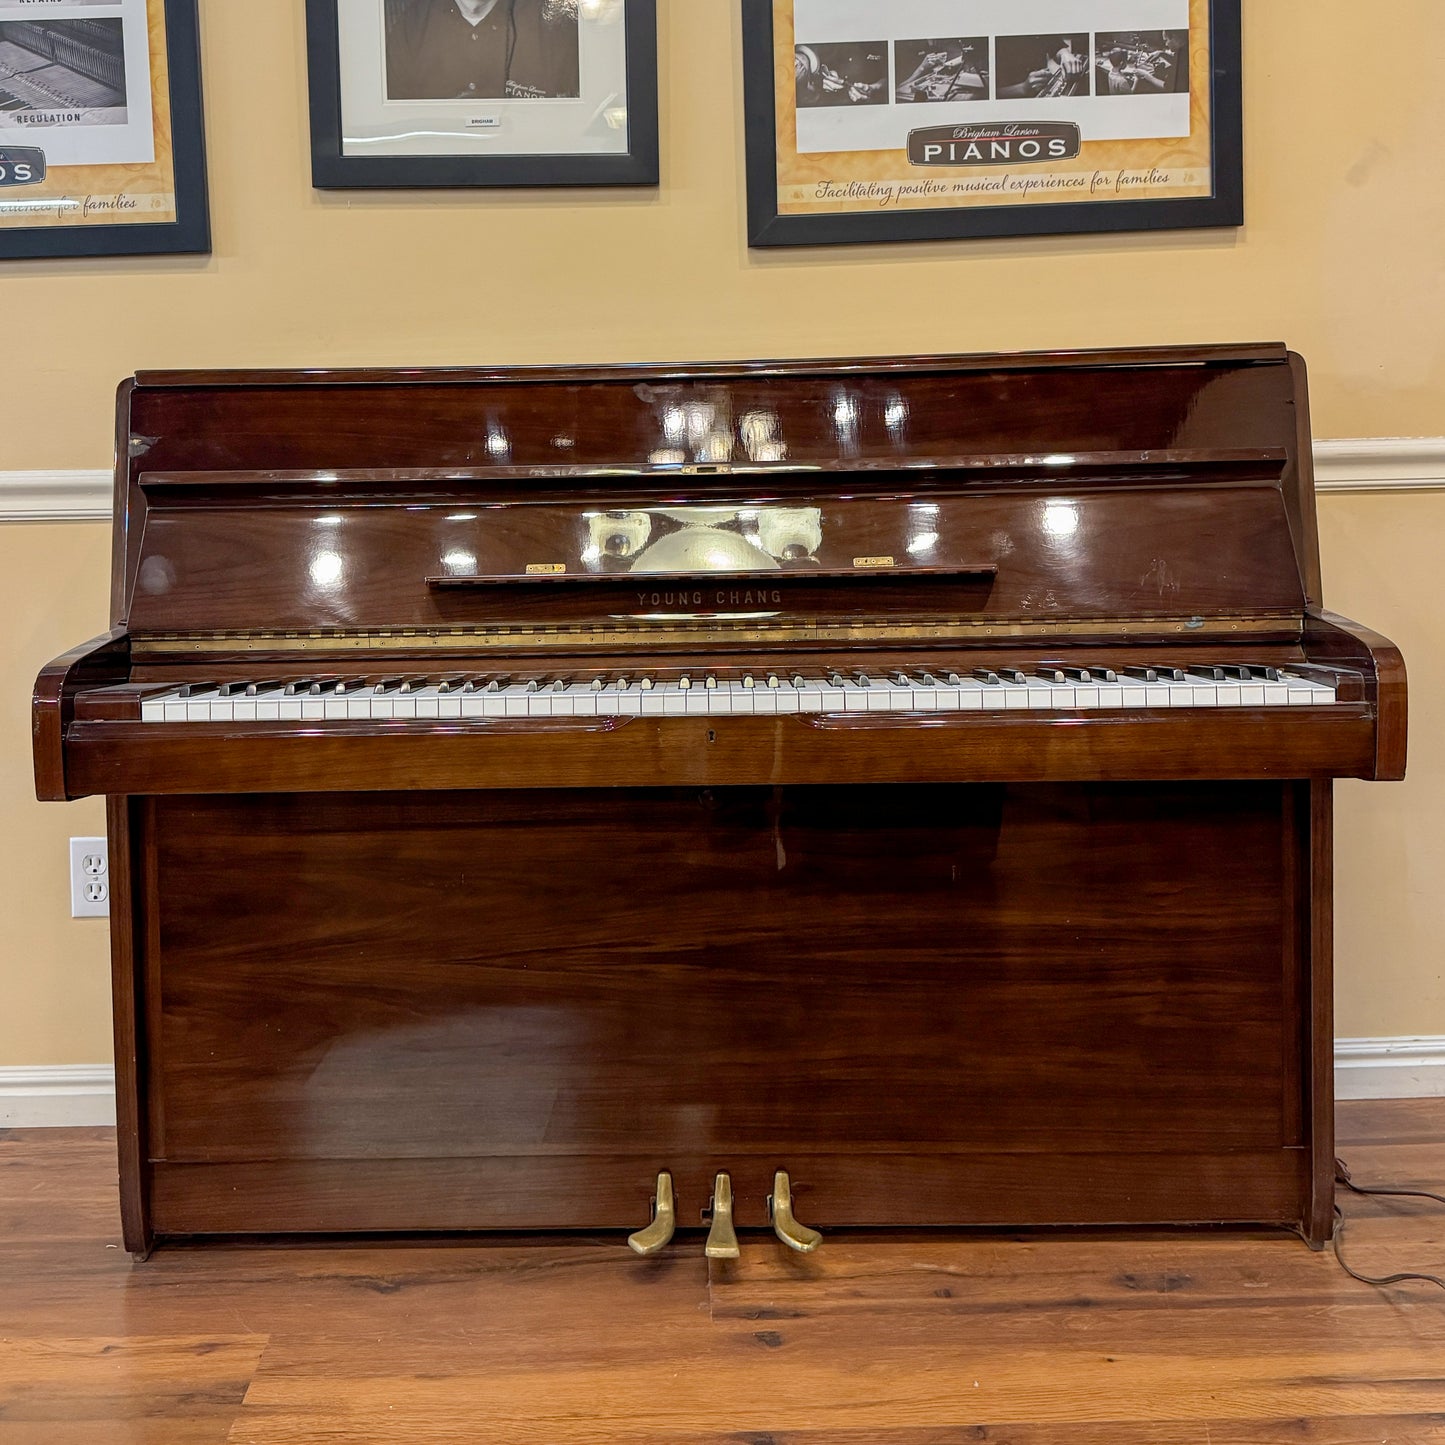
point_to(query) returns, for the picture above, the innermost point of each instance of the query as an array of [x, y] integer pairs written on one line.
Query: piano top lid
[[1275, 352]]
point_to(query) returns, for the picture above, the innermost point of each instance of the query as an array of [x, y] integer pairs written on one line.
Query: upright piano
[[809, 795]]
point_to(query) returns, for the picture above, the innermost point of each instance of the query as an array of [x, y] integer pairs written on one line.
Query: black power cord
[[1342, 1176]]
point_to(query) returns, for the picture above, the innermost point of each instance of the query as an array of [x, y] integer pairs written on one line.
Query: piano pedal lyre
[[785, 1223], [722, 1239], [657, 1235]]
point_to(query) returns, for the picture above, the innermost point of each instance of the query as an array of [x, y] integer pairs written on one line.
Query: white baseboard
[[63, 1096], [76, 1095], [1366, 464], [1408, 1068]]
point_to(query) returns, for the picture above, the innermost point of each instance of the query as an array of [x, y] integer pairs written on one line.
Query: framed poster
[[102, 150], [482, 92], [926, 119]]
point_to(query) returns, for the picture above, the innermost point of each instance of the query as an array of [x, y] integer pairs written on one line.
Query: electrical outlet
[[89, 878]]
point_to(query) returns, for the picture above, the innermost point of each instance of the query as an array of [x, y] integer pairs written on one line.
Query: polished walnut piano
[[815, 795]]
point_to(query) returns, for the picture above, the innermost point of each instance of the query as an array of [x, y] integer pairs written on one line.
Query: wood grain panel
[[932, 983]]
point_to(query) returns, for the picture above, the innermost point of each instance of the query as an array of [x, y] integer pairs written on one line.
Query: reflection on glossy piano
[[812, 795]]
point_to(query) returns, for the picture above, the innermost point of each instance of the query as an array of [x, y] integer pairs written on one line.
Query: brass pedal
[[785, 1224], [722, 1239], [659, 1233]]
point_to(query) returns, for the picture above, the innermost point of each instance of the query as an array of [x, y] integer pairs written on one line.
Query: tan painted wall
[[1341, 257]]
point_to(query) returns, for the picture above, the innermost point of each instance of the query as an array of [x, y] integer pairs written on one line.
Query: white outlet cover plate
[[89, 864]]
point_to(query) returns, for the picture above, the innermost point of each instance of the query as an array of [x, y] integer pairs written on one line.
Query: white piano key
[[198, 706], [883, 693], [153, 709]]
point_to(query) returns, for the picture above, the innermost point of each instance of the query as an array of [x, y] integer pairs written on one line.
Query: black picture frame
[[333, 170], [767, 228], [190, 232]]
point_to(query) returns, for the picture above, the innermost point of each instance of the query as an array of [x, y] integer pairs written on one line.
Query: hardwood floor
[[1090, 1339]]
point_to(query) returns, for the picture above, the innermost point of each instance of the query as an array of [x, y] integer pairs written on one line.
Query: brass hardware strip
[[583, 637]]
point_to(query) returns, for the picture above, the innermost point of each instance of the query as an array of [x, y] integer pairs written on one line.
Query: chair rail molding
[[1380, 464], [1362, 464], [77, 496]]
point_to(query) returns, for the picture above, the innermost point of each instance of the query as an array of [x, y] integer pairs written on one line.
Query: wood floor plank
[[145, 1388], [1089, 1338]]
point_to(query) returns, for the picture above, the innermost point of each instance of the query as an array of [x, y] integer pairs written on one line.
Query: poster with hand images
[[929, 118]]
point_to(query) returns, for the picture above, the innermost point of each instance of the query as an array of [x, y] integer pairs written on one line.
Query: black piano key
[[1208, 673], [1264, 674], [1142, 674], [1011, 674], [985, 675], [191, 689], [1054, 676]]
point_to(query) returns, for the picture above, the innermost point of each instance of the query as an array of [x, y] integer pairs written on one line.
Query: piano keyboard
[[708, 694]]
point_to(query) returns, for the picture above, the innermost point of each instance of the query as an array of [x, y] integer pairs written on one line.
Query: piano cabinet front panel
[[933, 1004]]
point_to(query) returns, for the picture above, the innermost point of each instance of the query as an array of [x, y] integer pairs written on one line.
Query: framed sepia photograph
[[925, 120], [102, 149], [413, 93]]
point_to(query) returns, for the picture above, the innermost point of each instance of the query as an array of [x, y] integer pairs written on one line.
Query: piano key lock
[[722, 1238]]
